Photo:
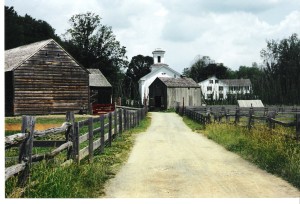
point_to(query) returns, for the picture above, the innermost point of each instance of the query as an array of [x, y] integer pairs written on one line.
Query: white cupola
[[158, 56]]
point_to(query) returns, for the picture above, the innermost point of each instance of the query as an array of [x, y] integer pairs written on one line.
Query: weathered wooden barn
[[166, 92], [42, 78], [100, 89]]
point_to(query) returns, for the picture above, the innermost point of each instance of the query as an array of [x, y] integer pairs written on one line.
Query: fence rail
[[82, 138], [205, 116]]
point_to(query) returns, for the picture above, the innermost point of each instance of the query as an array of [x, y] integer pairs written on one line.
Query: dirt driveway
[[171, 161]]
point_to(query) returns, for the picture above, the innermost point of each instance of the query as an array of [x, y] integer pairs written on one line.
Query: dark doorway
[[157, 101]]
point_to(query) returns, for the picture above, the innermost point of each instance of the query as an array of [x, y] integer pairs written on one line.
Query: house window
[[221, 96], [216, 81], [209, 88], [209, 96], [211, 81], [220, 88], [247, 88], [158, 59]]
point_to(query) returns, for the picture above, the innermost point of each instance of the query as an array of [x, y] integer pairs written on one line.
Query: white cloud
[[231, 31]]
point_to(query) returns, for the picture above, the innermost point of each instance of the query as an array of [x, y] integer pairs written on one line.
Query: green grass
[[49, 180], [267, 149]]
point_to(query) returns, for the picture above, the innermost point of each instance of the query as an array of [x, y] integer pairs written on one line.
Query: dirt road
[[171, 161]]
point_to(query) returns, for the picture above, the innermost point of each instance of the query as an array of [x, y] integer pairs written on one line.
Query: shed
[[42, 78], [100, 88], [250, 103], [166, 92]]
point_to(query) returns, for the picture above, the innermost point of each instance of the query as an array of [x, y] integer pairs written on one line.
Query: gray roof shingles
[[16, 56], [179, 82], [97, 79]]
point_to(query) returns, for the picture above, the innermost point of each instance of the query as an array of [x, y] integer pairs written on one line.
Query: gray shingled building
[[166, 92]]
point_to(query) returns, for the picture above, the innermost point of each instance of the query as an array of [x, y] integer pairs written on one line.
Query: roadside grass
[[269, 150], [49, 180]]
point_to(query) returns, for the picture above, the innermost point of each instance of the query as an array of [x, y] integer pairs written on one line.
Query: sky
[[232, 32]]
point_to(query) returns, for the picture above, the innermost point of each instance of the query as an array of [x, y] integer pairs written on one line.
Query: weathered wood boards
[[50, 81]]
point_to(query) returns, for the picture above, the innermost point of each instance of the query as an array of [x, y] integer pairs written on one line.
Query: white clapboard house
[[218, 89]]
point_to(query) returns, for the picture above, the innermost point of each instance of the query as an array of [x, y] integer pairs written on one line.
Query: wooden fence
[[205, 116], [82, 138]]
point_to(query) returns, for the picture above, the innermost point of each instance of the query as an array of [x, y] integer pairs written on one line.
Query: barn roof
[[97, 79], [179, 82], [237, 82], [16, 56]]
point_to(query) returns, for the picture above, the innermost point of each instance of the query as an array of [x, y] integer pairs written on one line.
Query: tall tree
[[139, 66], [203, 67], [281, 80], [95, 46]]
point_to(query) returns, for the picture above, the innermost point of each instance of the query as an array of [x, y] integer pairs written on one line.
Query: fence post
[[227, 116], [70, 131], [298, 126], [237, 116], [76, 143], [120, 121], [102, 133], [250, 119], [115, 123], [91, 145], [28, 124], [109, 129], [271, 115], [125, 119]]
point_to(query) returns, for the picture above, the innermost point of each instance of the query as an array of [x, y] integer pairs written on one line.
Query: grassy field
[[49, 180], [267, 149]]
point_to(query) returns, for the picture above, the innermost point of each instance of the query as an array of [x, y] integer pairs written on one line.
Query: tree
[[21, 30], [139, 66], [281, 81], [95, 46], [204, 67]]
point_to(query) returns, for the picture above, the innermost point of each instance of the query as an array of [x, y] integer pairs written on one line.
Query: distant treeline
[[275, 81]]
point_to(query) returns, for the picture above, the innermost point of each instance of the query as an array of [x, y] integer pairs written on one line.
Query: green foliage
[[269, 150], [95, 46], [139, 66], [204, 67], [22, 30], [281, 80]]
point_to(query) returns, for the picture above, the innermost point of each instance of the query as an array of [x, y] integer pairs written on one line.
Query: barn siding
[[50, 83], [191, 96]]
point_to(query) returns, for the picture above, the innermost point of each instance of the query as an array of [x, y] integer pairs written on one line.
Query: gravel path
[[171, 161]]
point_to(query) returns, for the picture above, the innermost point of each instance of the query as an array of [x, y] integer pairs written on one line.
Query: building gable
[[46, 80]]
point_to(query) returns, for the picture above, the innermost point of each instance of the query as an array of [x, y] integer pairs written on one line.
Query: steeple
[[158, 56]]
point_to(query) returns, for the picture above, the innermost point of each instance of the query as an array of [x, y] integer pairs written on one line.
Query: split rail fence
[[268, 116], [82, 139]]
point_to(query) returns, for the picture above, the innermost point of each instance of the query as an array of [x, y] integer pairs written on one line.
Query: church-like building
[[158, 69]]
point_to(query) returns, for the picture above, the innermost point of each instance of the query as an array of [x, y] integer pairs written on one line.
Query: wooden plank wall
[[50, 82]]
